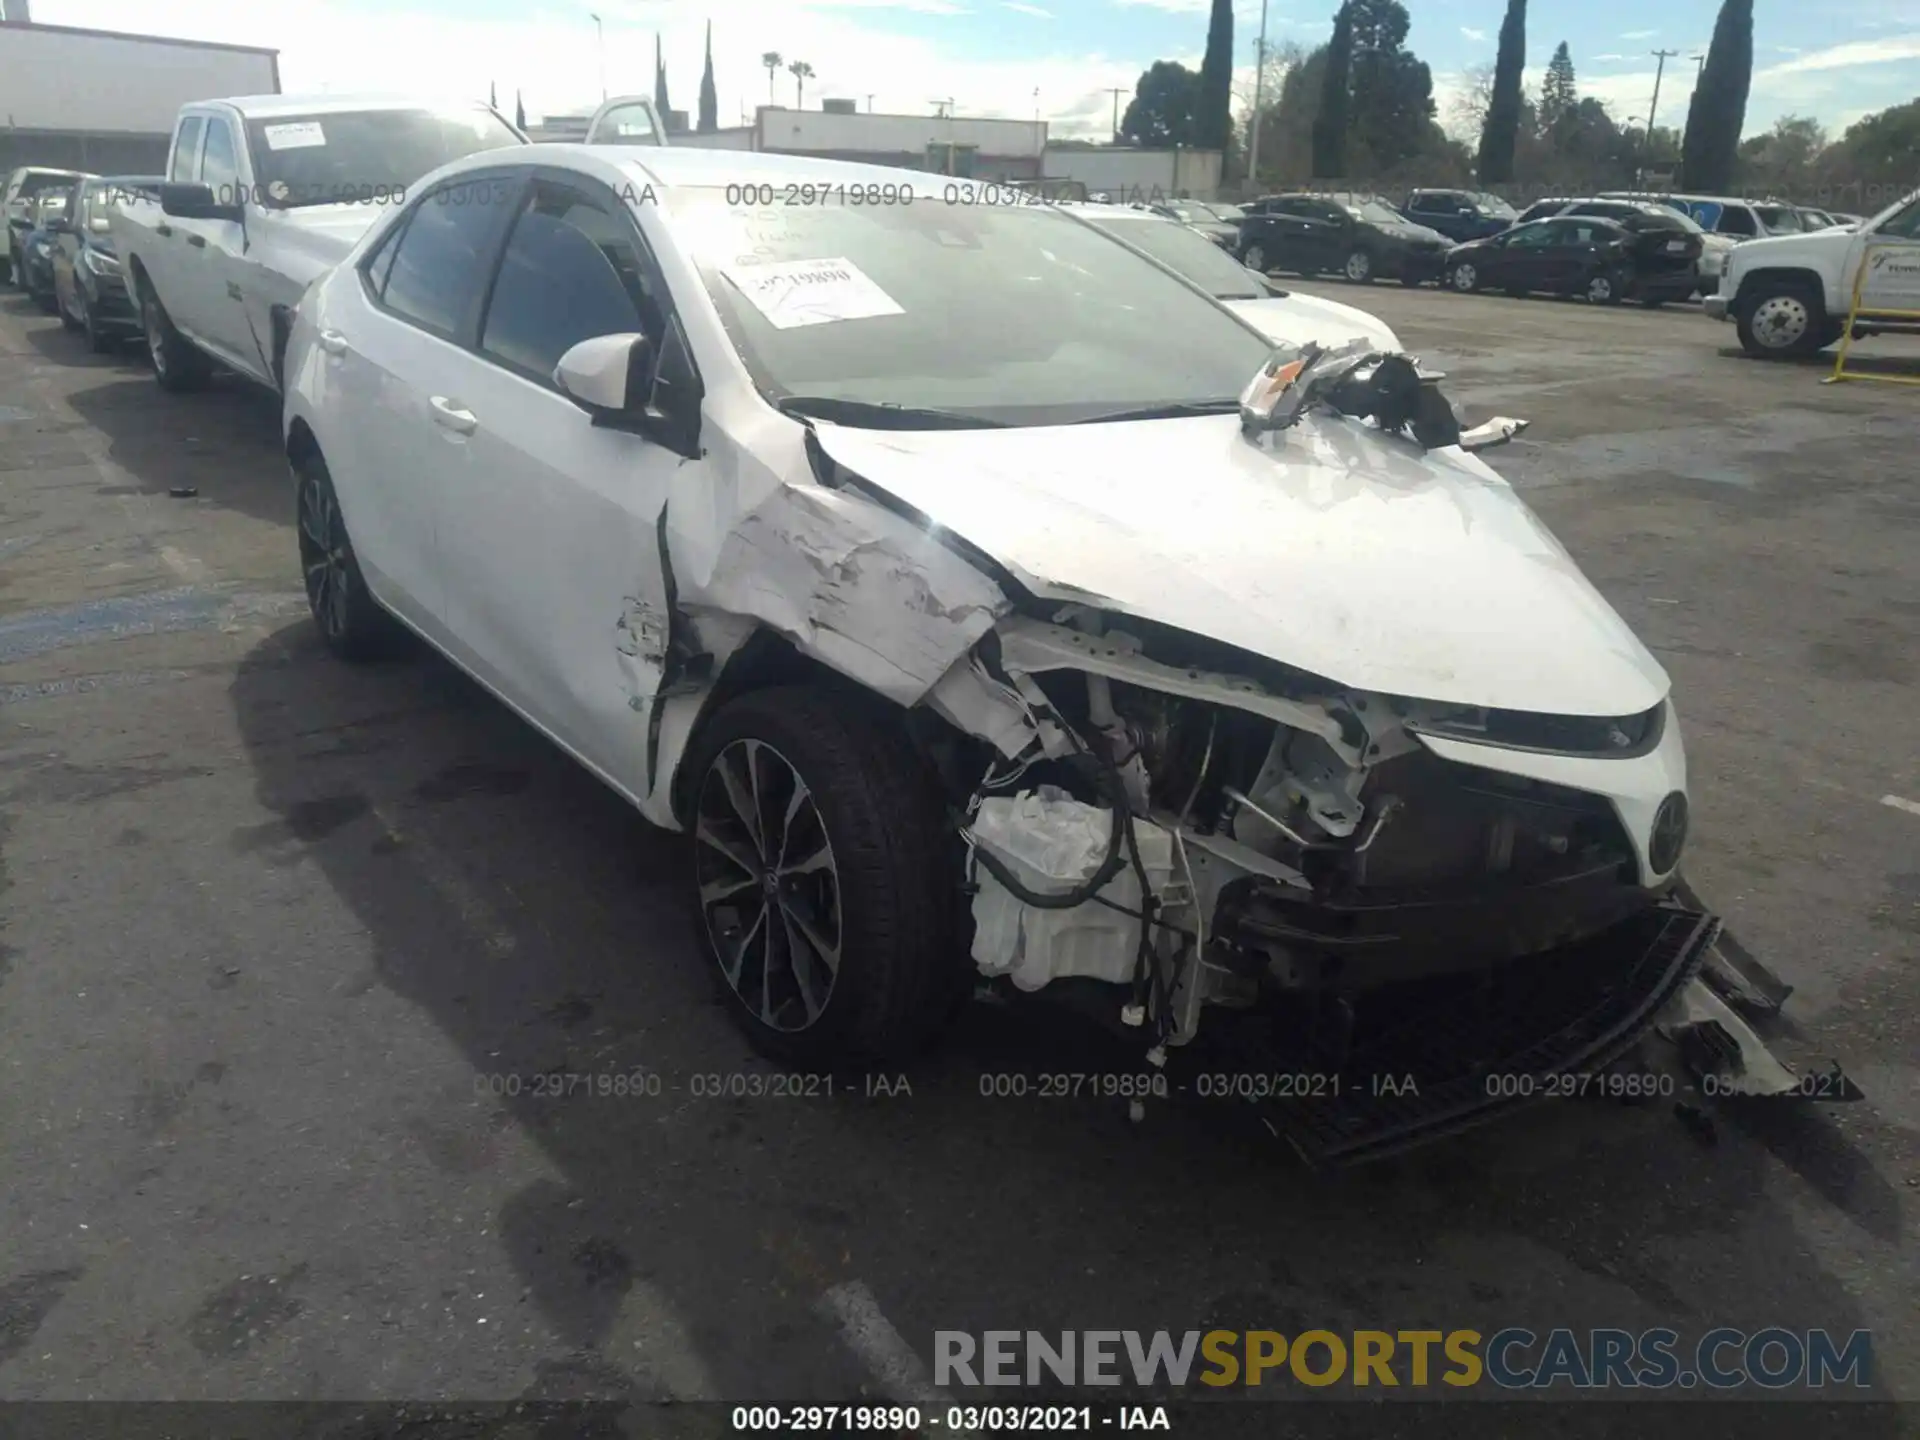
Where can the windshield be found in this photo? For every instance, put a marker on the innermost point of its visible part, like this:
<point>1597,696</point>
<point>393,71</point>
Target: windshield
<point>1778,218</point>
<point>1015,314</point>
<point>1493,207</point>
<point>363,156</point>
<point>39,184</point>
<point>1378,212</point>
<point>1191,254</point>
<point>1227,213</point>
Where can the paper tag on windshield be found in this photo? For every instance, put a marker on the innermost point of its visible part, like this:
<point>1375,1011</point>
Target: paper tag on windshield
<point>793,293</point>
<point>294,135</point>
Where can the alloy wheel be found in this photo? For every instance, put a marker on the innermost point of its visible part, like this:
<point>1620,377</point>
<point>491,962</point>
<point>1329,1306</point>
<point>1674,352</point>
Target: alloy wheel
<point>1600,289</point>
<point>325,557</point>
<point>1359,265</point>
<point>1465,277</point>
<point>769,888</point>
<point>1781,321</point>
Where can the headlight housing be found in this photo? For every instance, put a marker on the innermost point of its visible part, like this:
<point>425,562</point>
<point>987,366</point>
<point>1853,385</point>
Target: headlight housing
<point>100,263</point>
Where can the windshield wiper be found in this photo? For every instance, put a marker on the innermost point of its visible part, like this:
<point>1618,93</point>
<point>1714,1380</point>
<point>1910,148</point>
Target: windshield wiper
<point>1182,410</point>
<point>878,415</point>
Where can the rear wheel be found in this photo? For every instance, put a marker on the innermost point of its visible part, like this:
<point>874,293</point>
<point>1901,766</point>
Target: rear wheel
<point>1359,268</point>
<point>1254,257</point>
<point>826,879</point>
<point>1464,277</point>
<point>177,364</point>
<point>1603,287</point>
<point>1782,320</point>
<point>350,620</point>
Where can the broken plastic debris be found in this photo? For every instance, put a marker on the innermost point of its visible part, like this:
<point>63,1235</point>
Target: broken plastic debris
<point>184,492</point>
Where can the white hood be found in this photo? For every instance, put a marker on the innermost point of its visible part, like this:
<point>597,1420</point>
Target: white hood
<point>1296,319</point>
<point>1330,548</point>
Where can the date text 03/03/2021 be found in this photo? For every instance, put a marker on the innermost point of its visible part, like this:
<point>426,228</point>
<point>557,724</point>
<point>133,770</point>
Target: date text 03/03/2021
<point>959,1420</point>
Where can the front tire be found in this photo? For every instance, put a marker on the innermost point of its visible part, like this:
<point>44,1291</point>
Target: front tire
<point>1603,288</point>
<point>826,879</point>
<point>1464,277</point>
<point>350,620</point>
<point>1254,257</point>
<point>177,364</point>
<point>1782,321</point>
<point>1358,268</point>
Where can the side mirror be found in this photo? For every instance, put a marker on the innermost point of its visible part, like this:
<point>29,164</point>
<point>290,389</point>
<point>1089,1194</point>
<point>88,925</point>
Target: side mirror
<point>195,202</point>
<point>626,382</point>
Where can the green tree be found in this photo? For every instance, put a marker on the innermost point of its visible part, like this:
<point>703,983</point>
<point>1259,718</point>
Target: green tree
<point>1502,129</point>
<point>1718,111</point>
<point>709,97</point>
<point>1330,123</point>
<point>1558,94</point>
<point>1881,150</point>
<point>1161,111</point>
<point>1213,95</point>
<point>773,60</point>
<point>1784,160</point>
<point>1392,90</point>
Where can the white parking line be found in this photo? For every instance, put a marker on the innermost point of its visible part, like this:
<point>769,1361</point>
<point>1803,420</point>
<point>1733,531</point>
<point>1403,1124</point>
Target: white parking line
<point>1897,803</point>
<point>900,1374</point>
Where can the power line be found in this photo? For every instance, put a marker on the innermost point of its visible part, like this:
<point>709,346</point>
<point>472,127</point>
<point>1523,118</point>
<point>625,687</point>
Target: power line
<point>1117,93</point>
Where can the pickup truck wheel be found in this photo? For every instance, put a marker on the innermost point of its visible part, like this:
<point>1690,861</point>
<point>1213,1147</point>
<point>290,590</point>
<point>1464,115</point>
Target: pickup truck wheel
<point>1781,320</point>
<point>177,365</point>
<point>351,621</point>
<point>826,879</point>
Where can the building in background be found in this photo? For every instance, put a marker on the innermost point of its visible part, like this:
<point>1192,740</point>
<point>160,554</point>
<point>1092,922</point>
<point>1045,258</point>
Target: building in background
<point>1124,173</point>
<point>104,101</point>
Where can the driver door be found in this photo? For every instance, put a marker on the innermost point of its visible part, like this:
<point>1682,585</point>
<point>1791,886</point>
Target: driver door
<point>1523,257</point>
<point>556,592</point>
<point>1891,254</point>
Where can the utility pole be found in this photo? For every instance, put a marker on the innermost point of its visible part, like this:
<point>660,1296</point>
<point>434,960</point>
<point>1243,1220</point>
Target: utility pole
<point>869,104</point>
<point>1259,75</point>
<point>1117,93</point>
<point>600,44</point>
<point>1661,69</point>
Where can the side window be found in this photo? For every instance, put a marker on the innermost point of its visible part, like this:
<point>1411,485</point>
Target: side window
<point>571,271</point>
<point>626,125</point>
<point>1527,237</point>
<point>218,165</point>
<point>186,150</point>
<point>1902,224</point>
<point>380,264</point>
<point>441,260</point>
<point>1539,211</point>
<point>1738,220</point>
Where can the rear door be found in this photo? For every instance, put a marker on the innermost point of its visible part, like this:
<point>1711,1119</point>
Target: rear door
<point>552,549</point>
<point>1575,248</point>
<point>395,355</point>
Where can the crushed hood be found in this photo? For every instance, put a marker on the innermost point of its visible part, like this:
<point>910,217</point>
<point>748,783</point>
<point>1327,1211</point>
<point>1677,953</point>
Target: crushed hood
<point>1295,319</point>
<point>1329,548</point>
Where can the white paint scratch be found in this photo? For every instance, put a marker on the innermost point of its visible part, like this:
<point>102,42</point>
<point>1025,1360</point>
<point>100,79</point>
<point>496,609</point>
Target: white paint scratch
<point>1897,803</point>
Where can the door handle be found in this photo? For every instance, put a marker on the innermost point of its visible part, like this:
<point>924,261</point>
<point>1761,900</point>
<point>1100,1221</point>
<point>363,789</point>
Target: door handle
<point>449,415</point>
<point>199,242</point>
<point>333,342</point>
<point>163,231</point>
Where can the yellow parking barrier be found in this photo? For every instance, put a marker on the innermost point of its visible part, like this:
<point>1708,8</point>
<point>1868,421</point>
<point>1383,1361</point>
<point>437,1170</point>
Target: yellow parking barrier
<point>1840,371</point>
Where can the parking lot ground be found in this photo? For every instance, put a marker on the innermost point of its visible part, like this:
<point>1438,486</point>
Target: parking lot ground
<point>278,933</point>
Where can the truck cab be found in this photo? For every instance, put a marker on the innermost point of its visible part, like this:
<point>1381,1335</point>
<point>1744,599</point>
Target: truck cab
<point>626,120</point>
<point>262,196</point>
<point>1792,295</point>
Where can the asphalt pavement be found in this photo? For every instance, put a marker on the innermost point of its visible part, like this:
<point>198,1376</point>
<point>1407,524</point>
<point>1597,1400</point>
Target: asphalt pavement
<point>283,944</point>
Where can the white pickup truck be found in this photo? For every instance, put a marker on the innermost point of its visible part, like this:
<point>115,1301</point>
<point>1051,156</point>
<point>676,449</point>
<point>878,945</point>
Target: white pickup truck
<point>1791,294</point>
<point>263,195</point>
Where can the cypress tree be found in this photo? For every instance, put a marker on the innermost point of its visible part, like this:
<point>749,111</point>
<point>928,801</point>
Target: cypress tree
<point>1711,148</point>
<point>1330,125</point>
<point>1501,131</point>
<point>1212,122</point>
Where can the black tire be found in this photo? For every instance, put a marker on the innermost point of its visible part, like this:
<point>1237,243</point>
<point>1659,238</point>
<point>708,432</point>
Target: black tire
<point>892,858</point>
<point>99,341</point>
<point>350,620</point>
<point>1358,266</point>
<point>1783,320</point>
<point>67,321</point>
<point>1253,255</point>
<point>1463,277</point>
<point>178,365</point>
<point>1604,287</point>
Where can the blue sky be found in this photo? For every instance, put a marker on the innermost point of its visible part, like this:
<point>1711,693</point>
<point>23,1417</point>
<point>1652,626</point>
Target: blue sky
<point>1835,60</point>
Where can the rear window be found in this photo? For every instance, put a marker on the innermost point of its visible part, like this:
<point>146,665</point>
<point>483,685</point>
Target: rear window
<point>1779,219</point>
<point>39,184</point>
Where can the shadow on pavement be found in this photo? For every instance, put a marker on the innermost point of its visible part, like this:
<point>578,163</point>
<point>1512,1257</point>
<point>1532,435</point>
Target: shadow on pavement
<point>959,1211</point>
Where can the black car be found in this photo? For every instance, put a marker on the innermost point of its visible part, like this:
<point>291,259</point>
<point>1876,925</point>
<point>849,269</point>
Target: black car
<point>24,186</point>
<point>89,289</point>
<point>1604,260</point>
<point>1219,223</point>
<point>1459,214</point>
<point>33,269</point>
<point>1357,237</point>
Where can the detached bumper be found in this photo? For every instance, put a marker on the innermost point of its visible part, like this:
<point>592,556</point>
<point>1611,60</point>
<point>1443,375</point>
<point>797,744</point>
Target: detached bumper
<point>1715,307</point>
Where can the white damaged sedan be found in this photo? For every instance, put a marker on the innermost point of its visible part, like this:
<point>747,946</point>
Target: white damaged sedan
<point>993,607</point>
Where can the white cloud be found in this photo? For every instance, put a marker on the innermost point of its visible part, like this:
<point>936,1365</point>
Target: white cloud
<point>1178,7</point>
<point>1479,37</point>
<point>1788,50</point>
<point>549,55</point>
<point>1034,10</point>
<point>1846,57</point>
<point>1638,34</point>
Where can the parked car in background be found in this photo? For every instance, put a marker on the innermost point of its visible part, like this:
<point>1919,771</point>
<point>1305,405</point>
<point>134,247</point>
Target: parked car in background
<point>924,563</point>
<point>25,185</point>
<point>264,194</point>
<point>1585,255</point>
<point>1734,218</point>
<point>1459,214</point>
<point>1220,223</point>
<point>1359,237</point>
<point>1638,212</point>
<point>46,215</point>
<point>1790,295</point>
<point>1812,219</point>
<point>1283,317</point>
<point>1843,218</point>
<point>89,286</point>
<point>626,120</point>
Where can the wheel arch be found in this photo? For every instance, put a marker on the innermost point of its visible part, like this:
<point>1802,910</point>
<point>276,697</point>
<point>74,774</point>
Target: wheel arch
<point>1798,277</point>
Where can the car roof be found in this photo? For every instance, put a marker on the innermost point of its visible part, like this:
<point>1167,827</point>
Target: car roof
<point>686,166</point>
<point>265,107</point>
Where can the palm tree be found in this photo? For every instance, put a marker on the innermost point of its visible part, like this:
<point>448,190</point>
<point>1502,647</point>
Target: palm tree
<point>801,72</point>
<point>772,60</point>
